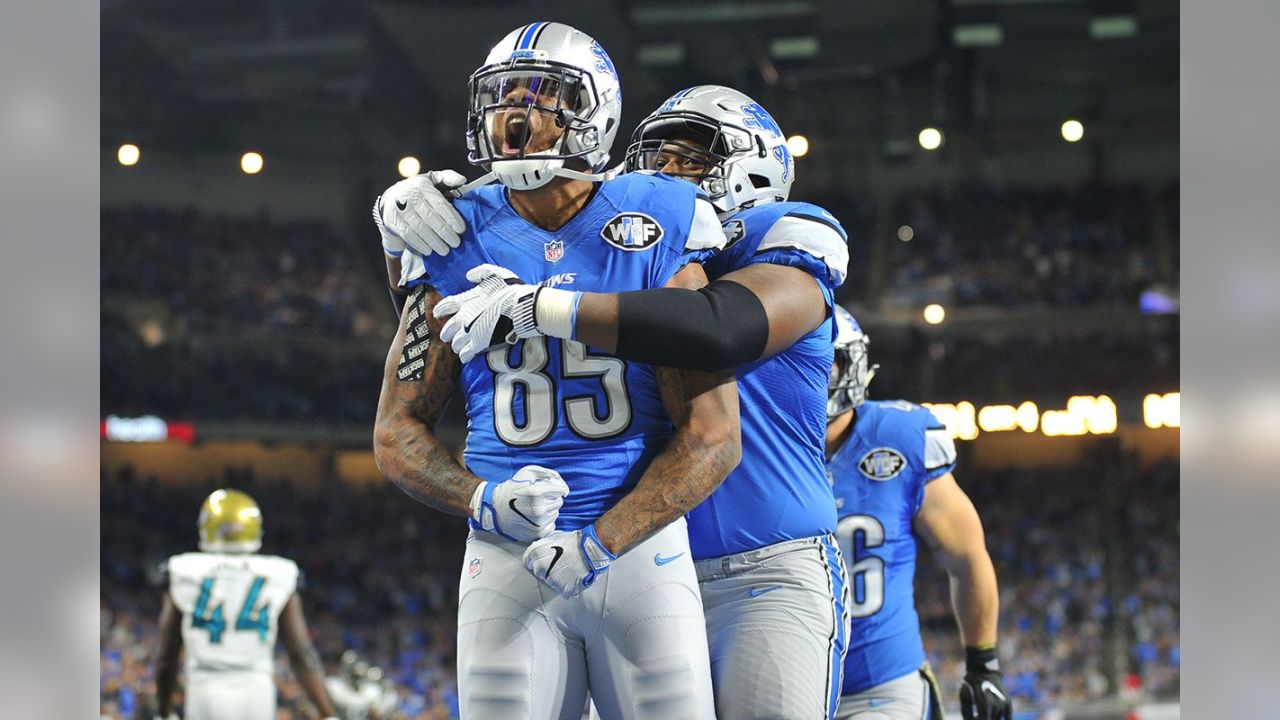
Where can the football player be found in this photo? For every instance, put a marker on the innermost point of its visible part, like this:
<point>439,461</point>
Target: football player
<point>579,577</point>
<point>891,466</point>
<point>769,570</point>
<point>351,691</point>
<point>225,605</point>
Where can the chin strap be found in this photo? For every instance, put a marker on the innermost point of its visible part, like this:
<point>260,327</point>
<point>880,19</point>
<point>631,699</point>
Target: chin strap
<point>484,179</point>
<point>589,177</point>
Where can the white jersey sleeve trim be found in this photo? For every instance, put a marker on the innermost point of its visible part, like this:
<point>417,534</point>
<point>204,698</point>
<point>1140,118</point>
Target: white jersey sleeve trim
<point>939,449</point>
<point>705,232</point>
<point>812,237</point>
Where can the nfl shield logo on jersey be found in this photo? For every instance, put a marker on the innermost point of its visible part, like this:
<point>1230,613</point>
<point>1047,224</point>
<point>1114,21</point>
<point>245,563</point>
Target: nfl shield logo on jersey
<point>553,250</point>
<point>882,464</point>
<point>473,567</point>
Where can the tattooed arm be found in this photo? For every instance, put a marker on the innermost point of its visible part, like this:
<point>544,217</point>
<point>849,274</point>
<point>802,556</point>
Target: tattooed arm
<point>706,446</point>
<point>416,387</point>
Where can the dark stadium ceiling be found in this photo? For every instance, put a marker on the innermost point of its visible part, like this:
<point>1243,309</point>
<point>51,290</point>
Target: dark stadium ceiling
<point>334,78</point>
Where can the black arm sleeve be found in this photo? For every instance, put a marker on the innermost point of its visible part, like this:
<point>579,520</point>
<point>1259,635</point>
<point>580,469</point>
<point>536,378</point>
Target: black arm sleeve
<point>719,327</point>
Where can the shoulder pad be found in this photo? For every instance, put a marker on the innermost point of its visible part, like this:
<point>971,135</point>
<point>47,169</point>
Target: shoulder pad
<point>813,231</point>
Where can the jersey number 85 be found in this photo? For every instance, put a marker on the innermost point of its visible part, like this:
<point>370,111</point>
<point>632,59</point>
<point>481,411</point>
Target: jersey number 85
<point>529,417</point>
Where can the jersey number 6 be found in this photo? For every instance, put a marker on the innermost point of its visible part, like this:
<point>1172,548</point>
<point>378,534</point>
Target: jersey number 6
<point>866,571</point>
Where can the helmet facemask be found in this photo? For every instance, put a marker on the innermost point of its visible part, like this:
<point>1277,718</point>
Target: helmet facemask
<point>526,119</point>
<point>703,150</point>
<point>850,376</point>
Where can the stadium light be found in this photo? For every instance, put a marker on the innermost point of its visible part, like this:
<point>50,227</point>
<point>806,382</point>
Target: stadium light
<point>930,138</point>
<point>798,145</point>
<point>934,313</point>
<point>251,163</point>
<point>409,166</point>
<point>1072,131</point>
<point>128,154</point>
<point>906,233</point>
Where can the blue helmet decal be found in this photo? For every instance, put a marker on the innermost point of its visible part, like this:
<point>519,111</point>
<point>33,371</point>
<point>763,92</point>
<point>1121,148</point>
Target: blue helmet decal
<point>759,118</point>
<point>603,62</point>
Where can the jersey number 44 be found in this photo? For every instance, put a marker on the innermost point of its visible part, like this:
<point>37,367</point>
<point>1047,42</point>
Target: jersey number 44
<point>250,618</point>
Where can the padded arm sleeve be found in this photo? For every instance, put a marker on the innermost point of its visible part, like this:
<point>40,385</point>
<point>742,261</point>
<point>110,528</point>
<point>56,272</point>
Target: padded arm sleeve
<point>719,327</point>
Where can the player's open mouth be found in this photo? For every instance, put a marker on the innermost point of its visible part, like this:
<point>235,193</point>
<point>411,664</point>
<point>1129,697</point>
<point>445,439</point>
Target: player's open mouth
<point>515,135</point>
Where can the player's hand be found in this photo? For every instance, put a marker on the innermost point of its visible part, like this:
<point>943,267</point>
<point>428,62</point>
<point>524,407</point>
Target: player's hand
<point>416,212</point>
<point>982,694</point>
<point>499,309</point>
<point>523,508</point>
<point>569,561</point>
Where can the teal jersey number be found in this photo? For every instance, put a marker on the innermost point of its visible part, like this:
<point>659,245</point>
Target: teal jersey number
<point>250,618</point>
<point>204,618</point>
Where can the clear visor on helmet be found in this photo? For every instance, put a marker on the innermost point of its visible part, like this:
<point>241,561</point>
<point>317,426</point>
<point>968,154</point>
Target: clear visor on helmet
<point>526,112</point>
<point>688,145</point>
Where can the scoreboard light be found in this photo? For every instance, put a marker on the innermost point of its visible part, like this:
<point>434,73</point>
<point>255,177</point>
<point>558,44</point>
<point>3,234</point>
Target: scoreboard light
<point>1162,410</point>
<point>1083,415</point>
<point>960,418</point>
<point>145,429</point>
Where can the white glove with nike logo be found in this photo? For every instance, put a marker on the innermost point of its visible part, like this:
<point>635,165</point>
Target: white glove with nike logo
<point>569,561</point>
<point>523,508</point>
<point>500,309</point>
<point>416,212</point>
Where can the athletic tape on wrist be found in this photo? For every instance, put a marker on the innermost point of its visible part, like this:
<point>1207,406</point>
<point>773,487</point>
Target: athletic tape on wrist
<point>556,312</point>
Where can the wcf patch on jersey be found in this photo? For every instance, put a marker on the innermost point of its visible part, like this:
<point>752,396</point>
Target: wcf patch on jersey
<point>632,231</point>
<point>882,464</point>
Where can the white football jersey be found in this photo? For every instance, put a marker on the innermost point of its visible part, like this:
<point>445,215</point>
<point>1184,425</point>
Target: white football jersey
<point>231,605</point>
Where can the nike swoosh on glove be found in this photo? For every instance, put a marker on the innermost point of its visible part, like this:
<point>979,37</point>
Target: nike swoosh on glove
<point>569,562</point>
<point>523,508</point>
<point>500,309</point>
<point>982,694</point>
<point>415,212</point>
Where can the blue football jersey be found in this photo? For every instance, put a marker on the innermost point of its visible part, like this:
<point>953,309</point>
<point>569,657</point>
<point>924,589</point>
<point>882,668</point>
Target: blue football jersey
<point>878,477</point>
<point>594,418</point>
<point>779,491</point>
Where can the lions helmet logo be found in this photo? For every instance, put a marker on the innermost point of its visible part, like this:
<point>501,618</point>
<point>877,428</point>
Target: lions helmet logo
<point>632,231</point>
<point>882,464</point>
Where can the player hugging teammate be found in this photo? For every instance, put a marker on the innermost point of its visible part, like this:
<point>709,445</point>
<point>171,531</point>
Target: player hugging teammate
<point>605,330</point>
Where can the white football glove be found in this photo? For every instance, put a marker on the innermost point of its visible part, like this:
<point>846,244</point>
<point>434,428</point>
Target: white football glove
<point>500,309</point>
<point>523,508</point>
<point>416,212</point>
<point>569,561</point>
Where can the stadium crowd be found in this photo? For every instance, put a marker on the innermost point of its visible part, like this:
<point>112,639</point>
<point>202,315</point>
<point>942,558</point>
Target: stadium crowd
<point>381,578</point>
<point>1089,246</point>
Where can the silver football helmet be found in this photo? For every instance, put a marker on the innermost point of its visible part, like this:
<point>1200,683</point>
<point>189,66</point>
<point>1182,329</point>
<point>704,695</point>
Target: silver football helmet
<point>738,152</point>
<point>850,375</point>
<point>547,93</point>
